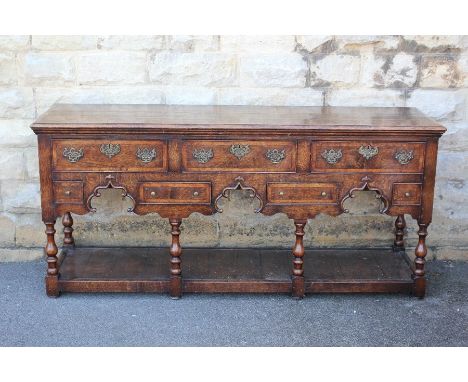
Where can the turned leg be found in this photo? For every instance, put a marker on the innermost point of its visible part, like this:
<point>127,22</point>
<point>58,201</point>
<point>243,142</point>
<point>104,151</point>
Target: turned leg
<point>175,251</point>
<point>298,285</point>
<point>400,225</point>
<point>419,262</point>
<point>51,251</point>
<point>67,222</point>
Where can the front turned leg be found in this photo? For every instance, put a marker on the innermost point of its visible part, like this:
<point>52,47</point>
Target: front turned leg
<point>67,222</point>
<point>400,225</point>
<point>419,262</point>
<point>175,251</point>
<point>51,251</point>
<point>298,284</point>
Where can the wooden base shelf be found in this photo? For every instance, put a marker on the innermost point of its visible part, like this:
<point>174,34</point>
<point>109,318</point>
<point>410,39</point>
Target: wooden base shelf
<point>233,270</point>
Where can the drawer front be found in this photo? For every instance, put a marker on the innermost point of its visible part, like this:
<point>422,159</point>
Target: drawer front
<point>175,193</point>
<point>232,156</point>
<point>302,193</point>
<point>68,191</point>
<point>406,194</point>
<point>369,156</point>
<point>106,155</point>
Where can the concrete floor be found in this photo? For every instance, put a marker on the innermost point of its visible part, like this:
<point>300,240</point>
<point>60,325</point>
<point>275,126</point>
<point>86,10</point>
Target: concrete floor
<point>29,318</point>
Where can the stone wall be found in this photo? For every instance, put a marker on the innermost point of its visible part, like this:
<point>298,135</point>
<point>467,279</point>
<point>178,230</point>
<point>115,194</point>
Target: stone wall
<point>428,72</point>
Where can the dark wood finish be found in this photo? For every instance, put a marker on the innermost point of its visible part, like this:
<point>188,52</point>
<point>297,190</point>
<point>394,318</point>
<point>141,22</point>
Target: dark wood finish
<point>400,225</point>
<point>233,270</point>
<point>177,160</point>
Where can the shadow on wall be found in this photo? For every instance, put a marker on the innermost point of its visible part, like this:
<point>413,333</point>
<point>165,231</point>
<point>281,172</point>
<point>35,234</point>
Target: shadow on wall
<point>237,226</point>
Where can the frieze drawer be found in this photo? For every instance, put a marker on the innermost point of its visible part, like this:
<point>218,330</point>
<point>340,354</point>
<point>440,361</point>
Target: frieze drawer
<point>302,193</point>
<point>109,155</point>
<point>406,194</point>
<point>235,155</point>
<point>69,191</point>
<point>402,157</point>
<point>175,192</point>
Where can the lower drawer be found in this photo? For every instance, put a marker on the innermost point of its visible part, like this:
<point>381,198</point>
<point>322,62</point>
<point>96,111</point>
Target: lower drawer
<point>68,191</point>
<point>175,192</point>
<point>406,194</point>
<point>301,193</point>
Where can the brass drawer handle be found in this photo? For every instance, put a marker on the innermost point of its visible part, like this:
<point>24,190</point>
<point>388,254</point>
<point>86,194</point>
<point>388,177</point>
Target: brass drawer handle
<point>110,149</point>
<point>68,192</point>
<point>275,155</point>
<point>153,193</point>
<point>239,150</point>
<point>202,155</point>
<point>323,193</point>
<point>407,194</point>
<point>281,193</point>
<point>146,154</point>
<point>73,155</point>
<point>332,156</point>
<point>368,151</point>
<point>196,193</point>
<point>404,156</point>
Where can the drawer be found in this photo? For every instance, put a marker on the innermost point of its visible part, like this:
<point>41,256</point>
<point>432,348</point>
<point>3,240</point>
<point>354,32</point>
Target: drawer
<point>175,192</point>
<point>106,155</point>
<point>406,194</point>
<point>69,191</point>
<point>302,193</point>
<point>368,155</point>
<point>233,156</point>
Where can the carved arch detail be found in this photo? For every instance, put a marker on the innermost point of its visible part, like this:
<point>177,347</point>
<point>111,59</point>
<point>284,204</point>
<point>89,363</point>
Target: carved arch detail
<point>110,184</point>
<point>239,186</point>
<point>384,203</point>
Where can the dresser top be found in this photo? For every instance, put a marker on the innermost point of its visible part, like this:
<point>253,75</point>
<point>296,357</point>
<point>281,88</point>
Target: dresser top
<point>76,118</point>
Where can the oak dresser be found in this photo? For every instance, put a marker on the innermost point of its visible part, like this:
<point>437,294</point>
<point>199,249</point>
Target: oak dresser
<point>177,160</point>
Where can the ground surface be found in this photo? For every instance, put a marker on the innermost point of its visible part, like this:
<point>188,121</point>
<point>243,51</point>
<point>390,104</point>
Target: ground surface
<point>29,318</point>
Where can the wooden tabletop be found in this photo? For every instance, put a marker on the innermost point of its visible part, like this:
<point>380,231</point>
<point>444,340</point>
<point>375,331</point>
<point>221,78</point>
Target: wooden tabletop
<point>294,118</point>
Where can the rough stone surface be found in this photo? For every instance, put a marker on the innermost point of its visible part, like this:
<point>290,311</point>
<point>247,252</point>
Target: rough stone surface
<point>334,70</point>
<point>8,69</point>
<point>427,72</point>
<point>193,69</point>
<point>47,69</point>
<point>272,70</point>
<point>111,68</point>
<point>55,42</point>
<point>16,103</point>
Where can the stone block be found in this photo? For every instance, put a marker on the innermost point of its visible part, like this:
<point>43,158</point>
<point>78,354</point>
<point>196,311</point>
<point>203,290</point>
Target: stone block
<point>187,43</point>
<point>16,133</point>
<point>7,230</point>
<point>366,43</point>
<point>20,254</point>
<point>113,67</point>
<point>257,44</point>
<point>193,69</point>
<point>31,162</point>
<point>273,70</point>
<point>365,97</point>
<point>270,96</point>
<point>440,72</point>
<point>463,70</point>
<point>447,104</point>
<point>64,42</point>
<point>16,103</point>
<point>183,95</point>
<point>20,196</point>
<point>315,44</point>
<point>12,164</point>
<point>334,70</point>
<point>14,43</point>
<point>44,69</point>
<point>126,42</point>
<point>30,231</point>
<point>396,71</point>
<point>137,94</point>
<point>434,43</point>
<point>8,74</point>
<point>456,137</point>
